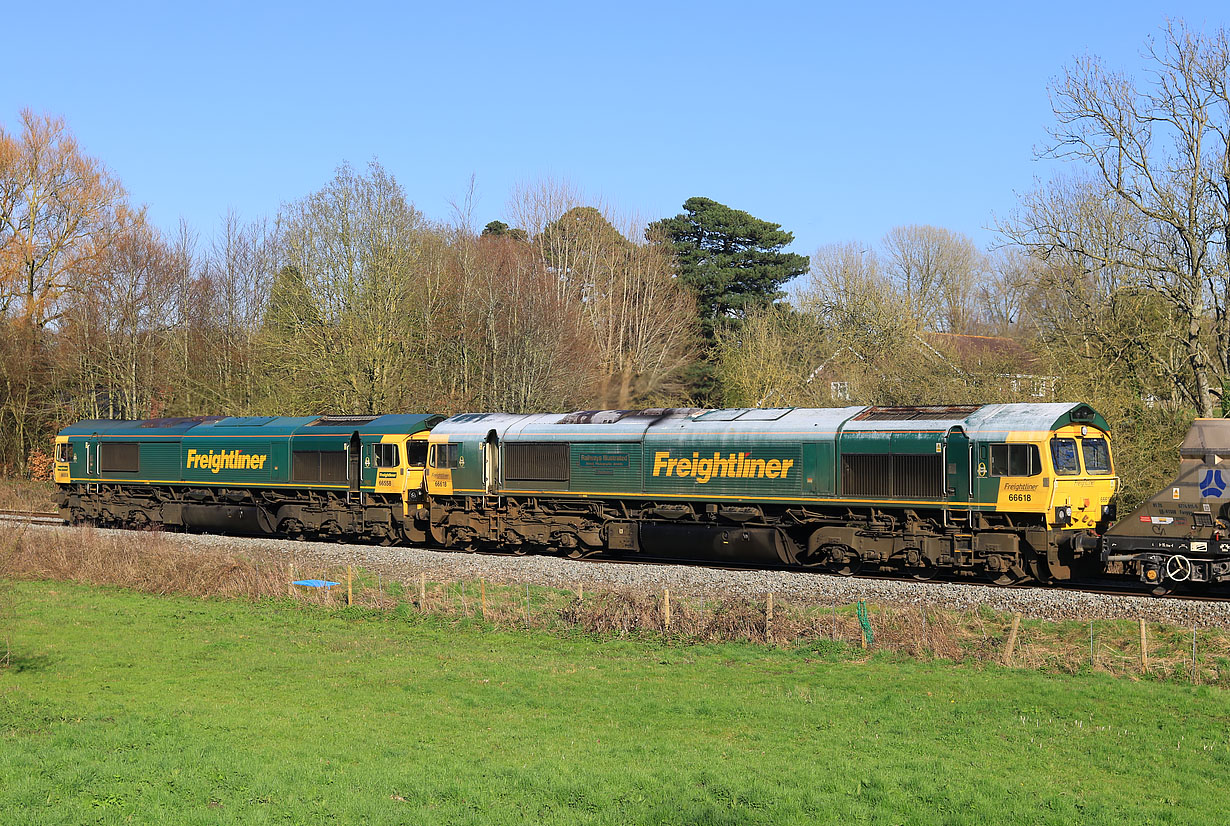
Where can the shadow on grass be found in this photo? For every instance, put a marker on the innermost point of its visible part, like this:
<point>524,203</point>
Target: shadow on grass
<point>17,663</point>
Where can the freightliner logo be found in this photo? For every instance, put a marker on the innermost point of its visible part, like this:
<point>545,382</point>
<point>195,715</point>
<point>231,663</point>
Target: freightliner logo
<point>731,466</point>
<point>228,459</point>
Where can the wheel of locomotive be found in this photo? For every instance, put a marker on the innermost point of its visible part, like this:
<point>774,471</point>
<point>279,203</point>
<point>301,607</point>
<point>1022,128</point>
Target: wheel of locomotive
<point>291,529</point>
<point>842,560</point>
<point>912,563</point>
<point>998,571</point>
<point>462,539</point>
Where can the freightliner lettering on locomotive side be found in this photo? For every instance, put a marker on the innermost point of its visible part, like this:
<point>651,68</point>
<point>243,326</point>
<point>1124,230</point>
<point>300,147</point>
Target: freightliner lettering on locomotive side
<point>731,466</point>
<point>228,459</point>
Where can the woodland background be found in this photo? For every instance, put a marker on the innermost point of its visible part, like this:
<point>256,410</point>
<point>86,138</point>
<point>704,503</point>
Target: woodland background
<point>1110,284</point>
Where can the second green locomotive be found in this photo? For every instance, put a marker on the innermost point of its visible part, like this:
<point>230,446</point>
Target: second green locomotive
<point>1011,491</point>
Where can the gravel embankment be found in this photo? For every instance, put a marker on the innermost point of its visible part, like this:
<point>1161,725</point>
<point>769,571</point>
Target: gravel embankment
<point>407,563</point>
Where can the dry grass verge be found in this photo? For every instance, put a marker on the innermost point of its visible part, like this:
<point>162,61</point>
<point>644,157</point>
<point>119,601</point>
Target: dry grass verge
<point>26,495</point>
<point>155,564</point>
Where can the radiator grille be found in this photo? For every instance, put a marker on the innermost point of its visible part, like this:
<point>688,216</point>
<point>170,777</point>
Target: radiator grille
<point>118,457</point>
<point>918,477</point>
<point>318,466</point>
<point>535,462</point>
<point>906,477</point>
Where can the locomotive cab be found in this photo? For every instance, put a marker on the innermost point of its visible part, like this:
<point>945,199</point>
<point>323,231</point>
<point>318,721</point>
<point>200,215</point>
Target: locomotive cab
<point>1080,460</point>
<point>63,460</point>
<point>1062,477</point>
<point>401,462</point>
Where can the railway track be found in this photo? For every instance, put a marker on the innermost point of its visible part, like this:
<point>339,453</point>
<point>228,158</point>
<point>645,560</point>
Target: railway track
<point>1104,588</point>
<point>31,517</point>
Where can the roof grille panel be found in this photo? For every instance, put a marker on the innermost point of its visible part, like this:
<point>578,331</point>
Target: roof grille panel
<point>338,421</point>
<point>918,413</point>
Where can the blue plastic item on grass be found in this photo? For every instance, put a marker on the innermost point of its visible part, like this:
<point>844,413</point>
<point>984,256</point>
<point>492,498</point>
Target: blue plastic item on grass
<point>315,583</point>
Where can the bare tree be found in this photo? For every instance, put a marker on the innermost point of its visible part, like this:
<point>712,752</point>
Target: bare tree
<point>115,332</point>
<point>1160,149</point>
<point>938,271</point>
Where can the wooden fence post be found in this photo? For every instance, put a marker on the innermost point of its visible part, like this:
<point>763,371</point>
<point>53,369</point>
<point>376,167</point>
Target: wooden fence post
<point>1193,655</point>
<point>768,619</point>
<point>1016,626</point>
<point>422,592</point>
<point>349,586</point>
<point>666,608</point>
<point>482,590</point>
<point>1144,648</point>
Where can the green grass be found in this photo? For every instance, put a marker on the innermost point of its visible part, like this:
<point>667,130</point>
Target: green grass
<point>122,707</point>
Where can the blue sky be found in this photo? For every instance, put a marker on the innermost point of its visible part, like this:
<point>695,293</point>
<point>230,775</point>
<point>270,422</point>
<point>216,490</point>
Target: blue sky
<point>837,122</point>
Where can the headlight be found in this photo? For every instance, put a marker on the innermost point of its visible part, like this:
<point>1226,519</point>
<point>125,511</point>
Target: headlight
<point>1063,514</point>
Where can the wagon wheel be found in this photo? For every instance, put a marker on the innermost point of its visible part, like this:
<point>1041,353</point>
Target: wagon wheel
<point>923,573</point>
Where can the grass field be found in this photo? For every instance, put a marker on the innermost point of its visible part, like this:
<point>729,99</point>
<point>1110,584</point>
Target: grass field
<point>122,707</point>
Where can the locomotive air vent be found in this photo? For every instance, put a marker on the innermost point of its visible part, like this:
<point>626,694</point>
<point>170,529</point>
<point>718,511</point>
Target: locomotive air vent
<point>181,420</point>
<point>596,416</point>
<point>911,414</point>
<point>334,421</point>
<point>469,417</point>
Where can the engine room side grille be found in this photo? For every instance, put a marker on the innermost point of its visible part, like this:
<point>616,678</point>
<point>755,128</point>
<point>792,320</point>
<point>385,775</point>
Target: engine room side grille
<point>918,477</point>
<point>866,475</point>
<point>536,462</point>
<point>119,457</point>
<point>318,466</point>
<point>898,476</point>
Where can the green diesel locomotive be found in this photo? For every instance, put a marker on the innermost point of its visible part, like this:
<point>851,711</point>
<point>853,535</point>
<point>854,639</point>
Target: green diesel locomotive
<point>323,477</point>
<point>1009,491</point>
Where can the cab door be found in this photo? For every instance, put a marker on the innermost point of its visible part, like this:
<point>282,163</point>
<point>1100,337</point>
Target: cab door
<point>416,462</point>
<point>491,463</point>
<point>386,457</point>
<point>956,467</point>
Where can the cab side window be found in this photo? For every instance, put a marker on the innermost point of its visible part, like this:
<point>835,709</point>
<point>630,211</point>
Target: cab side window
<point>64,452</point>
<point>1015,460</point>
<point>385,454</point>
<point>445,456</point>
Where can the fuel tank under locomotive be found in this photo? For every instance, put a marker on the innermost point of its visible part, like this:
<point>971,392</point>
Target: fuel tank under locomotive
<point>228,519</point>
<point>713,543</point>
